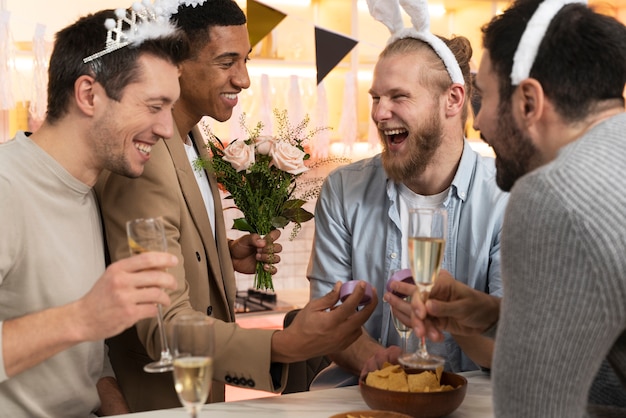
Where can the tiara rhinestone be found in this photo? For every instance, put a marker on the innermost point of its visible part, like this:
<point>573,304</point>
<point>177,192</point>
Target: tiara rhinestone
<point>144,21</point>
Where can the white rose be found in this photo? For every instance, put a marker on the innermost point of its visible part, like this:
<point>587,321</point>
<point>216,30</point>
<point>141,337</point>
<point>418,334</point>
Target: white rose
<point>264,144</point>
<point>288,158</point>
<point>239,155</point>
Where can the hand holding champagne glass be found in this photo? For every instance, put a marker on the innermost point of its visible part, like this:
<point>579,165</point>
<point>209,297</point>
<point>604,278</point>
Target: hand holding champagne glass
<point>193,344</point>
<point>149,235</point>
<point>404,275</point>
<point>427,238</point>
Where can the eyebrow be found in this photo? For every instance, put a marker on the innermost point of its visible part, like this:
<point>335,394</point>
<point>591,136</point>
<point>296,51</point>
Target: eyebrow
<point>159,99</point>
<point>231,55</point>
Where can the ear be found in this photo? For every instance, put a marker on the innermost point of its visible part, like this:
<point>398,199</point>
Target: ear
<point>529,103</point>
<point>455,99</point>
<point>84,94</point>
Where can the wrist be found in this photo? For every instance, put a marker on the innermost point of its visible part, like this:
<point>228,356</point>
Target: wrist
<point>282,349</point>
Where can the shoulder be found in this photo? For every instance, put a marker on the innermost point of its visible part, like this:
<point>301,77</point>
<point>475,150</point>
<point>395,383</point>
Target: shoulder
<point>358,171</point>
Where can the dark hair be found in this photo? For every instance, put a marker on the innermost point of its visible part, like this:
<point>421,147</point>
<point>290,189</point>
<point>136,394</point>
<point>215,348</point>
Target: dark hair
<point>197,21</point>
<point>581,60</point>
<point>435,73</point>
<point>114,71</point>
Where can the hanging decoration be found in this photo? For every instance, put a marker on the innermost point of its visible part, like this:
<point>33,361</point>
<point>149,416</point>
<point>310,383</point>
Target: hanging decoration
<point>266,105</point>
<point>295,107</point>
<point>261,20</point>
<point>330,49</point>
<point>322,144</point>
<point>38,101</point>
<point>7,101</point>
<point>349,119</point>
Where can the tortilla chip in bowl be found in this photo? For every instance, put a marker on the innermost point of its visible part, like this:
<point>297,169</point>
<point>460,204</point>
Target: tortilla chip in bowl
<point>420,394</point>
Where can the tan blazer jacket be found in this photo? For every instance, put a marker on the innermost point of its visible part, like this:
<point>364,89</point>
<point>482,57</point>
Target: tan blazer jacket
<point>205,275</point>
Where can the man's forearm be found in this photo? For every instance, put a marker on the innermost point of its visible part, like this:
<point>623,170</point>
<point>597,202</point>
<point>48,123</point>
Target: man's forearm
<point>112,402</point>
<point>478,348</point>
<point>24,345</point>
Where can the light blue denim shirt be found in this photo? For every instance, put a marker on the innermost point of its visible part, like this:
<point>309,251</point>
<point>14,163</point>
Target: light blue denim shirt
<point>358,236</point>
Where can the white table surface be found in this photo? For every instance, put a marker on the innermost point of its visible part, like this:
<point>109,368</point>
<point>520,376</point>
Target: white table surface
<point>325,403</point>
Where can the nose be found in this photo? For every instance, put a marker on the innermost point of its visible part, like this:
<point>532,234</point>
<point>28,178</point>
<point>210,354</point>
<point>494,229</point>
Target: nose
<point>381,110</point>
<point>476,122</point>
<point>241,78</point>
<point>164,128</point>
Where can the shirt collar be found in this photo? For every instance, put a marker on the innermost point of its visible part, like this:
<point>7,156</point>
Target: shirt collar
<point>463,177</point>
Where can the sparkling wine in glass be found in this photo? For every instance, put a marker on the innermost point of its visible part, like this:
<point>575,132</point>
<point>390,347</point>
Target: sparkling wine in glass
<point>148,234</point>
<point>427,239</point>
<point>193,345</point>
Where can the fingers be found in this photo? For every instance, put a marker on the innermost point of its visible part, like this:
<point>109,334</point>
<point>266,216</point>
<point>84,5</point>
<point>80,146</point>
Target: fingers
<point>352,303</point>
<point>376,362</point>
<point>400,308</point>
<point>152,260</point>
<point>327,301</point>
<point>267,257</point>
<point>150,295</point>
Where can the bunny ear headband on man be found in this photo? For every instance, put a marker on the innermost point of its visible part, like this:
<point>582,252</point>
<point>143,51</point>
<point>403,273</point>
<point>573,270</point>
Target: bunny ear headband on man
<point>388,13</point>
<point>533,35</point>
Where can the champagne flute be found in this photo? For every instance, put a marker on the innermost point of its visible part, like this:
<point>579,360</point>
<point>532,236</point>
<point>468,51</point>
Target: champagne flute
<point>427,238</point>
<point>404,331</point>
<point>193,345</point>
<point>148,234</point>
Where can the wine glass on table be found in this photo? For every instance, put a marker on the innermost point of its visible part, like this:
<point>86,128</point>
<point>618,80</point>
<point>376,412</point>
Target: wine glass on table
<point>427,239</point>
<point>193,344</point>
<point>148,234</point>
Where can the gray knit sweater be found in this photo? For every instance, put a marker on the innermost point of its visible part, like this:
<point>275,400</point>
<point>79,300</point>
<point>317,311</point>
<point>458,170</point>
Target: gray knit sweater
<point>564,274</point>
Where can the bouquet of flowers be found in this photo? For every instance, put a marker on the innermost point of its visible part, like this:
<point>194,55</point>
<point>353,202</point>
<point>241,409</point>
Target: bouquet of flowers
<point>260,174</point>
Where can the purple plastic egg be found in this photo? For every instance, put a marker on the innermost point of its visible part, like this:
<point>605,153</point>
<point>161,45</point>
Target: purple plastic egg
<point>403,275</point>
<point>348,287</point>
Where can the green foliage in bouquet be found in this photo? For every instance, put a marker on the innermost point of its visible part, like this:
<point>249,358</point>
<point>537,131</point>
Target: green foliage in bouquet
<point>260,174</point>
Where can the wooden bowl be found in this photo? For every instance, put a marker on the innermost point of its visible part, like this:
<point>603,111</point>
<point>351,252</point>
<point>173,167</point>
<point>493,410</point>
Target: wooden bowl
<point>371,414</point>
<point>418,404</point>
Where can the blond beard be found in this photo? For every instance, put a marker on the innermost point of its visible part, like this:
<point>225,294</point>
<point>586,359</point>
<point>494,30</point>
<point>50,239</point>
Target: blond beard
<point>422,146</point>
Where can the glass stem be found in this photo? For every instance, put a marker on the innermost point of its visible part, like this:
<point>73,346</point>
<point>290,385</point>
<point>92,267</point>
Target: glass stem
<point>165,350</point>
<point>422,352</point>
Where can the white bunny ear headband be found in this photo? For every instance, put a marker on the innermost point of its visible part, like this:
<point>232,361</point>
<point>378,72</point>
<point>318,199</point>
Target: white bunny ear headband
<point>388,13</point>
<point>533,35</point>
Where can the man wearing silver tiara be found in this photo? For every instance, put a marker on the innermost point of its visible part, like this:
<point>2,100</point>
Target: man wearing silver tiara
<point>189,201</point>
<point>57,301</point>
<point>420,89</point>
<point>552,80</point>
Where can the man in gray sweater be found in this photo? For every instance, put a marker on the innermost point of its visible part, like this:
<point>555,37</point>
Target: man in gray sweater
<point>551,80</point>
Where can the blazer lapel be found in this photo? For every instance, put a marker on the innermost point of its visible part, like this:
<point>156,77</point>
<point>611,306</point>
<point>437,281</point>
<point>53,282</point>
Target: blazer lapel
<point>195,204</point>
<point>225,261</point>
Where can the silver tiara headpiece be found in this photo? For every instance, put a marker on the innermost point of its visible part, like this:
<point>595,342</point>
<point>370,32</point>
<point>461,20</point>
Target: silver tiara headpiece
<point>145,20</point>
<point>536,29</point>
<point>388,13</point>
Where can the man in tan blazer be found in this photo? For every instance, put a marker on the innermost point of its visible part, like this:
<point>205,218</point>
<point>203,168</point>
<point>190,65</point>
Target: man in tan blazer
<point>196,234</point>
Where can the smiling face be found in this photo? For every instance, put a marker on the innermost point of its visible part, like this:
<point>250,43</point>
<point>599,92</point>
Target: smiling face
<point>211,81</point>
<point>407,115</point>
<point>124,131</point>
<point>516,154</point>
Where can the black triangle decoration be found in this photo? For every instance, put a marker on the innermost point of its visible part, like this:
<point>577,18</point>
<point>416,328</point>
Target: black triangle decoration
<point>330,49</point>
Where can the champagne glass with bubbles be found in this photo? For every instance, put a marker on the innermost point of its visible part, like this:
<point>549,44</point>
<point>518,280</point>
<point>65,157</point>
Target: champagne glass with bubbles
<point>148,234</point>
<point>427,239</point>
<point>193,344</point>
